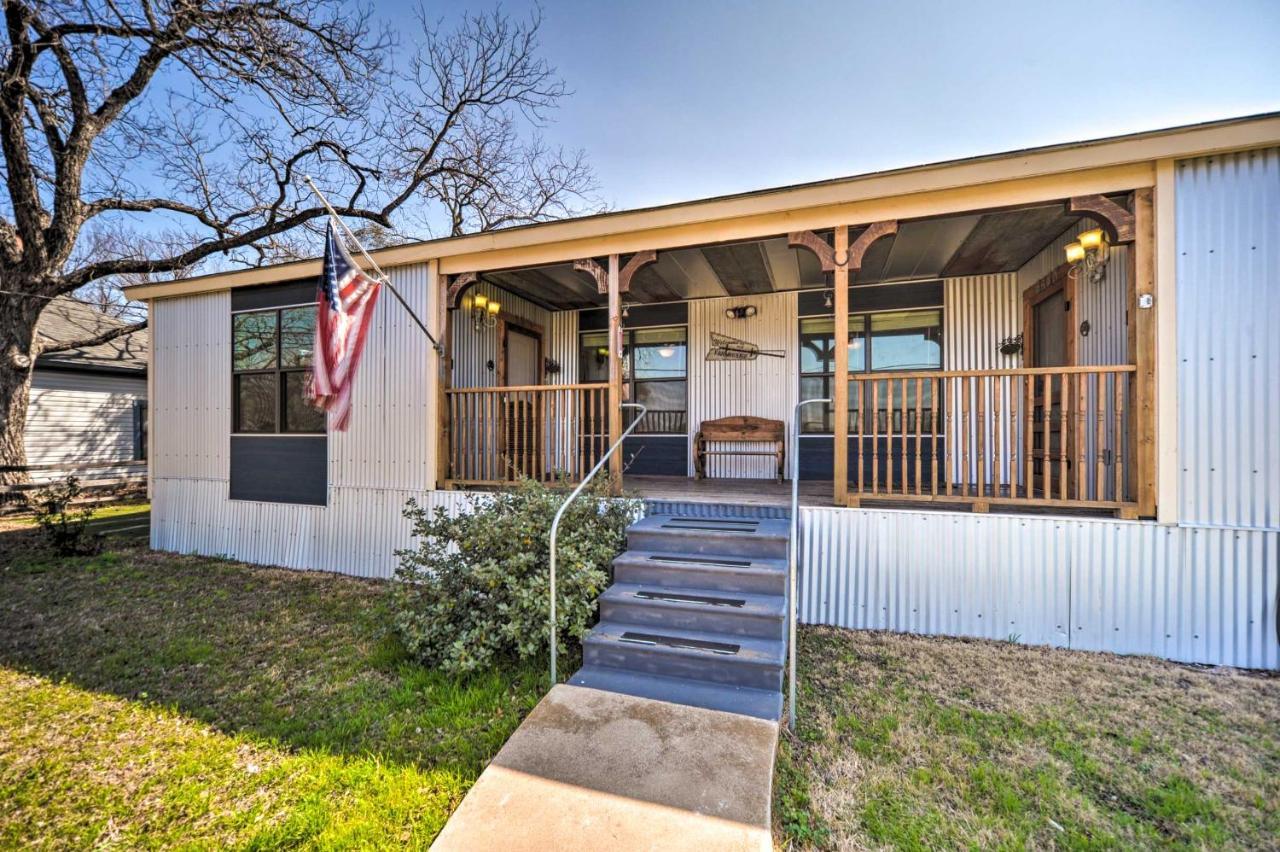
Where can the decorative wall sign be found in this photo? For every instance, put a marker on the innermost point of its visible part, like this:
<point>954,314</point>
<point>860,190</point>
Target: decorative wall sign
<point>726,348</point>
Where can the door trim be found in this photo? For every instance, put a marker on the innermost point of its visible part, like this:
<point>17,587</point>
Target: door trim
<point>1060,280</point>
<point>505,324</point>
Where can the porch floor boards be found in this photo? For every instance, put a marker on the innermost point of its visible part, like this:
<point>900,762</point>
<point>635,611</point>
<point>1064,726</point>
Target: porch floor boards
<point>741,492</point>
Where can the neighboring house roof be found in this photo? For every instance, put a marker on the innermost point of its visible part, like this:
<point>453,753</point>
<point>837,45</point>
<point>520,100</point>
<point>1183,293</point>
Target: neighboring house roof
<point>65,320</point>
<point>774,210</point>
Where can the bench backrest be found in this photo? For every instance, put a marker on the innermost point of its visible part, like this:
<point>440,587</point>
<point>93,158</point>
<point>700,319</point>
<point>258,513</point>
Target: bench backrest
<point>742,428</point>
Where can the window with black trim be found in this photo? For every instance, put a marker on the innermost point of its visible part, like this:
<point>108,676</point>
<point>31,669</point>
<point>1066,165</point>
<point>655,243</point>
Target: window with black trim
<point>270,366</point>
<point>881,342</point>
<point>654,371</point>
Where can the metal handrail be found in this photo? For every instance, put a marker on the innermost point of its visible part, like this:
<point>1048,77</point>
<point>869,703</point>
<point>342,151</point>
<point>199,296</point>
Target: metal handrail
<point>793,560</point>
<point>555,524</point>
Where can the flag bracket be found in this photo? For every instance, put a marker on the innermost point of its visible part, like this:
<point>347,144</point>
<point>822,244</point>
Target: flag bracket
<point>373,264</point>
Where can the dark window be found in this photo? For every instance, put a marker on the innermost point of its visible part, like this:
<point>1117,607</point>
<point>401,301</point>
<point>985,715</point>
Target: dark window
<point>271,366</point>
<point>881,342</point>
<point>140,430</point>
<point>654,372</point>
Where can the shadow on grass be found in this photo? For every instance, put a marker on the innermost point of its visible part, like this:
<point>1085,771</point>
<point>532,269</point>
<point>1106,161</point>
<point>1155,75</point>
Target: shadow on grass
<point>303,660</point>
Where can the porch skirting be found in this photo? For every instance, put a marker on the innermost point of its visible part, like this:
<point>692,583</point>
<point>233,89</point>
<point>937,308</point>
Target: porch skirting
<point>1194,594</point>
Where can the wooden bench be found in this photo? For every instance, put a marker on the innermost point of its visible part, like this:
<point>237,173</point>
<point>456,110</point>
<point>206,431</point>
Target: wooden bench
<point>754,430</point>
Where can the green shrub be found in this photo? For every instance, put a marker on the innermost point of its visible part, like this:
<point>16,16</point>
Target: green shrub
<point>474,588</point>
<point>65,529</point>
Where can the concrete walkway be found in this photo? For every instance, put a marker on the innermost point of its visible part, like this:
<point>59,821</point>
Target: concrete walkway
<point>597,770</point>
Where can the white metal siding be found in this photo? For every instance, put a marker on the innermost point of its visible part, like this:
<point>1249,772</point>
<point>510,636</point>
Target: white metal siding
<point>78,417</point>
<point>390,442</point>
<point>765,387</point>
<point>562,346</point>
<point>1228,292</point>
<point>357,533</point>
<point>473,350</point>
<point>1198,595</point>
<point>191,360</point>
<point>1102,305</point>
<point>979,311</point>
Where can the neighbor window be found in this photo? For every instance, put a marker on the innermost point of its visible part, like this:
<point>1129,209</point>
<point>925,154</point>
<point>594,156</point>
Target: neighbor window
<point>882,342</point>
<point>654,372</point>
<point>271,366</point>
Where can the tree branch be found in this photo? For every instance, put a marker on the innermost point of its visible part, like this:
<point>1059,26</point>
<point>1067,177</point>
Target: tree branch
<point>97,340</point>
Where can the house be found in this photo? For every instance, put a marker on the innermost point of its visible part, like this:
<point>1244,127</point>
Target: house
<point>1055,372</point>
<point>87,411</point>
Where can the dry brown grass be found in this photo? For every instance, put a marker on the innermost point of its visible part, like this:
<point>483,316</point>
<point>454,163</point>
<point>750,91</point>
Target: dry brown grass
<point>917,742</point>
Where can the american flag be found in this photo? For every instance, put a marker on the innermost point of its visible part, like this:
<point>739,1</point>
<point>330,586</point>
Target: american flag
<point>346,299</point>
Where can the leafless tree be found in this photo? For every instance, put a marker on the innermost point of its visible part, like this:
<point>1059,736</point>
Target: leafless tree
<point>148,139</point>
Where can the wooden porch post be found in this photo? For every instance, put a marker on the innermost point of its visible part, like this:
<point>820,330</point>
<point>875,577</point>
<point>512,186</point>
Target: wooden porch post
<point>1142,346</point>
<point>615,370</point>
<point>840,396</point>
<point>444,379</point>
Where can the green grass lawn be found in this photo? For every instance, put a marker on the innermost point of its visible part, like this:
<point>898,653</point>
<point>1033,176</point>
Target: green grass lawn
<point>153,700</point>
<point>925,743</point>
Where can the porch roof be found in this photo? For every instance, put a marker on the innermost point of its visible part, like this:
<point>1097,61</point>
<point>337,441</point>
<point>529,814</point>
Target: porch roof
<point>1010,179</point>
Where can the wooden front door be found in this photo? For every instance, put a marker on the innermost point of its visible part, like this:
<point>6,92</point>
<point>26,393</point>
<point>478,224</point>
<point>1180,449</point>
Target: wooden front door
<point>521,366</point>
<point>1049,340</point>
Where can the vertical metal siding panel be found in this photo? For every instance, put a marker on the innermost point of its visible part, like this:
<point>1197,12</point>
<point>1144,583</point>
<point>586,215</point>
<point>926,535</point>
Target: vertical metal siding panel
<point>387,444</point>
<point>1228,291</point>
<point>562,345</point>
<point>766,387</point>
<point>472,349</point>
<point>979,311</point>
<point>192,409</point>
<point>1198,595</point>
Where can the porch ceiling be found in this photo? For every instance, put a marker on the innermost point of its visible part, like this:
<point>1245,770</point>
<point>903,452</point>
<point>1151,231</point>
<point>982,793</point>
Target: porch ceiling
<point>974,244</point>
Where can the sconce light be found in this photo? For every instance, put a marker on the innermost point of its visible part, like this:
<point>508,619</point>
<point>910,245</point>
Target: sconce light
<point>484,312</point>
<point>1090,253</point>
<point>740,312</point>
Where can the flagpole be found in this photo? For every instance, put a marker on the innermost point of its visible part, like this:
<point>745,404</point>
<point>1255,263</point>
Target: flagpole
<point>373,263</point>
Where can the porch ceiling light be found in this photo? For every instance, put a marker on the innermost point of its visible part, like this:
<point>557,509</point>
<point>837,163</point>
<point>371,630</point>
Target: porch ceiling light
<point>1090,252</point>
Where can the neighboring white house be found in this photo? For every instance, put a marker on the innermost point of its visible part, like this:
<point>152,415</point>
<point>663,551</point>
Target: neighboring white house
<point>88,407</point>
<point>1073,444</point>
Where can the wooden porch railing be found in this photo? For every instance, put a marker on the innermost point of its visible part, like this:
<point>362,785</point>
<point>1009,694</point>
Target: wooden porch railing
<point>1057,436</point>
<point>543,432</point>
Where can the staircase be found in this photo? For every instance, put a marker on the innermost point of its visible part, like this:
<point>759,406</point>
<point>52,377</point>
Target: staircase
<point>696,615</point>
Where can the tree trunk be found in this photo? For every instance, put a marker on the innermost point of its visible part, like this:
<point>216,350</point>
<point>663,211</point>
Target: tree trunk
<point>17,358</point>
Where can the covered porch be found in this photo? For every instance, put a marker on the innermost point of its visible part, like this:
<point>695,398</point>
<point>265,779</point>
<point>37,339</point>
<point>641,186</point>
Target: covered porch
<point>978,364</point>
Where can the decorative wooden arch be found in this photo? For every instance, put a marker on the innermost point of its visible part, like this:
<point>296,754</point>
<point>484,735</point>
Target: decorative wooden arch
<point>853,258</point>
<point>460,282</point>
<point>638,261</point>
<point>1117,221</point>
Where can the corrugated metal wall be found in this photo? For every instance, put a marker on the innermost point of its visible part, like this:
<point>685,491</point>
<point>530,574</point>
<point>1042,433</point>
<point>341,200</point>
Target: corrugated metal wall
<point>765,387</point>
<point>1101,305</point>
<point>562,346</point>
<point>473,350</point>
<point>1198,595</point>
<point>979,312</point>
<point>390,442</point>
<point>1228,301</point>
<point>385,457</point>
<point>191,411</point>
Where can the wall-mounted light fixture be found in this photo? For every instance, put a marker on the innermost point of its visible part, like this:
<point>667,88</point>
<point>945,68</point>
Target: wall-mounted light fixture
<point>484,311</point>
<point>1090,252</point>
<point>740,312</point>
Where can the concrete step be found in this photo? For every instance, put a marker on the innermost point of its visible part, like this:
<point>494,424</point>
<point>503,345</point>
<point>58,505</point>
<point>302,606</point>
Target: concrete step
<point>704,610</point>
<point>760,703</point>
<point>696,655</point>
<point>764,538</point>
<point>695,571</point>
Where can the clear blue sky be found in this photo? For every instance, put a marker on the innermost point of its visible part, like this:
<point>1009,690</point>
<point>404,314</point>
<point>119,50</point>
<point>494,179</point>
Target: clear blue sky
<point>685,99</point>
